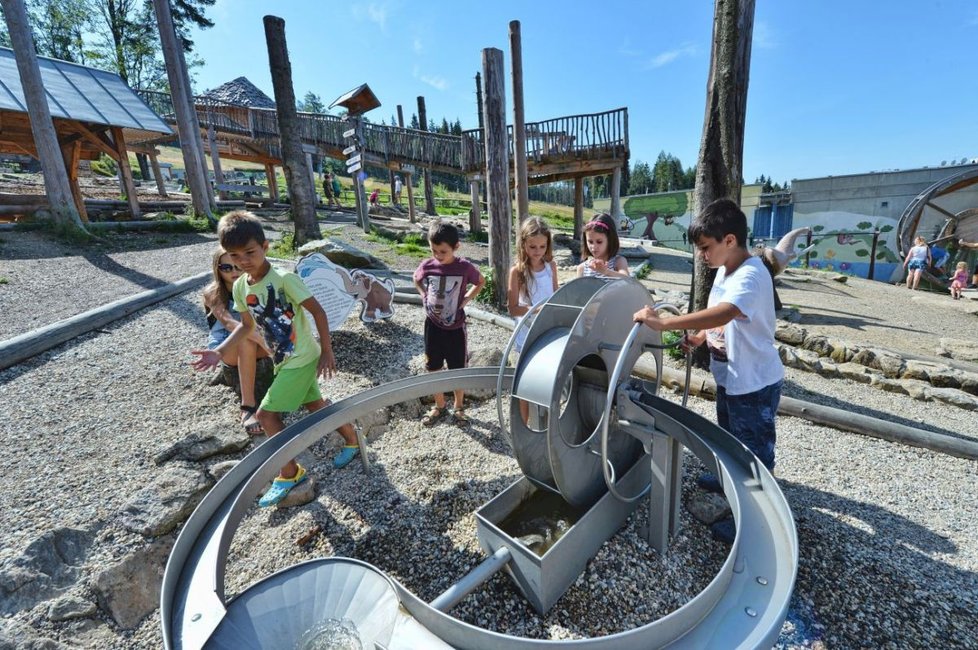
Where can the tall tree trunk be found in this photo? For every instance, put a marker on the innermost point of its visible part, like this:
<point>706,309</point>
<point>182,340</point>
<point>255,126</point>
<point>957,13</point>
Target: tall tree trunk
<point>497,171</point>
<point>182,107</point>
<point>301,192</point>
<point>719,168</point>
<point>519,123</point>
<point>56,182</point>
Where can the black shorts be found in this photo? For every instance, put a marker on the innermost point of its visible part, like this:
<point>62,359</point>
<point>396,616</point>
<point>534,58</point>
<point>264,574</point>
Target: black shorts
<point>443,347</point>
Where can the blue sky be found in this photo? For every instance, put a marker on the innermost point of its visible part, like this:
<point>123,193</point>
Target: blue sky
<point>835,87</point>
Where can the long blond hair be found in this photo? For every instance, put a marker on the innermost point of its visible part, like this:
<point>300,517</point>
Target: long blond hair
<point>216,293</point>
<point>531,227</point>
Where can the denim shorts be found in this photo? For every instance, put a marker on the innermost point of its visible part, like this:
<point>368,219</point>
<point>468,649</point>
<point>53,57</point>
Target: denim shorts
<point>750,418</point>
<point>915,265</point>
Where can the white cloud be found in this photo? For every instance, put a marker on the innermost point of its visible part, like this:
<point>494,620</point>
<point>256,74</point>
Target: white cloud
<point>435,81</point>
<point>439,83</point>
<point>417,45</point>
<point>373,12</point>
<point>667,57</point>
<point>764,37</point>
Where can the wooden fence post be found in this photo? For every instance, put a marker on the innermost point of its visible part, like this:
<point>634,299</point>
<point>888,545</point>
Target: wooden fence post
<point>429,196</point>
<point>872,253</point>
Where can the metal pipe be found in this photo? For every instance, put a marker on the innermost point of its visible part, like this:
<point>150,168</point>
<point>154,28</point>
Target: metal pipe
<point>472,581</point>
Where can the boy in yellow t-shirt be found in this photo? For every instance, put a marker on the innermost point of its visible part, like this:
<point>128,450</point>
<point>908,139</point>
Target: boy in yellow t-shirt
<point>274,302</point>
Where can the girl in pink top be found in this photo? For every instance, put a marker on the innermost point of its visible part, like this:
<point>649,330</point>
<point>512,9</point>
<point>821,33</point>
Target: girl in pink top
<point>959,280</point>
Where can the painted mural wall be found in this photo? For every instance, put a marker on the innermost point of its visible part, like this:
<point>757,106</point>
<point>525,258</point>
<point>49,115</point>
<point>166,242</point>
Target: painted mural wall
<point>843,213</point>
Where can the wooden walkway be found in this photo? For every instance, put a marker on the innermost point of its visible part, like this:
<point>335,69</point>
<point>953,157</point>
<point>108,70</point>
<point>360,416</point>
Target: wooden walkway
<point>558,149</point>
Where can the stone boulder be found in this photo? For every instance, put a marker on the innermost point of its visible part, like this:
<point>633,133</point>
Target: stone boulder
<point>708,508</point>
<point>963,349</point>
<point>219,440</point>
<point>162,506</point>
<point>790,333</point>
<point>48,567</point>
<point>342,254</point>
<point>484,357</point>
<point>129,590</point>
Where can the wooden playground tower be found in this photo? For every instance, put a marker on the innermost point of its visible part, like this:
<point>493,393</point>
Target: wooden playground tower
<point>564,148</point>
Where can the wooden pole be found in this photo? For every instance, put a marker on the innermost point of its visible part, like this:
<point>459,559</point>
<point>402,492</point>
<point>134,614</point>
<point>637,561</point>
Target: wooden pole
<point>616,193</point>
<point>409,184</point>
<point>180,96</point>
<point>579,208</point>
<point>719,167</point>
<point>160,186</point>
<point>56,182</point>
<point>429,196</point>
<point>272,183</point>
<point>198,139</point>
<point>475,215</point>
<point>300,187</point>
<point>312,177</point>
<point>872,254</point>
<point>497,170</point>
<point>482,125</point>
<point>72,154</point>
<point>125,171</point>
<point>519,122</point>
<point>216,160</point>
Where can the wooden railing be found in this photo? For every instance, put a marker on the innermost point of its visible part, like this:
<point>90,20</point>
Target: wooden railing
<point>588,136</point>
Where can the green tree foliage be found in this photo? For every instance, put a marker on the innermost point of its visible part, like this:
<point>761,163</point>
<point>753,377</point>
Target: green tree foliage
<point>312,103</point>
<point>640,181</point>
<point>116,35</point>
<point>668,173</point>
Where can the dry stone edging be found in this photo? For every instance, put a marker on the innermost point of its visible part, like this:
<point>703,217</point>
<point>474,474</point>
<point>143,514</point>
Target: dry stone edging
<point>920,379</point>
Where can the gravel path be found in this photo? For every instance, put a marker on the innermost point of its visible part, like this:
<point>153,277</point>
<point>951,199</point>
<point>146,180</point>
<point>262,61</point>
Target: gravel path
<point>888,552</point>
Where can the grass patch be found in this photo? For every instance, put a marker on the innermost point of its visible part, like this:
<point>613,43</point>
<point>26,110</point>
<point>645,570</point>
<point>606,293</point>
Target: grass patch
<point>487,293</point>
<point>4,280</point>
<point>643,271</point>
<point>412,244</point>
<point>482,236</point>
<point>284,247</point>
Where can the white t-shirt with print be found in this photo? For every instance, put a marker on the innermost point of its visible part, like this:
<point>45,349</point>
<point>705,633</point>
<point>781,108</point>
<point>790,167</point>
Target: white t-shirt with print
<point>743,357</point>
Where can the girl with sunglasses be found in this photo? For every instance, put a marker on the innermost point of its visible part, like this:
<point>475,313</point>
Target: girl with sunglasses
<point>600,250</point>
<point>222,320</point>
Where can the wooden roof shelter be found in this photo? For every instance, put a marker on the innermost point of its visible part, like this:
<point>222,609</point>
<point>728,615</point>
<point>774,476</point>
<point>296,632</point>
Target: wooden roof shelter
<point>93,111</point>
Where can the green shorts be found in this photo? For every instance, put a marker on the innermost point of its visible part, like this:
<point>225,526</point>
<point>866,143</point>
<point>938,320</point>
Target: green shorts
<point>291,388</point>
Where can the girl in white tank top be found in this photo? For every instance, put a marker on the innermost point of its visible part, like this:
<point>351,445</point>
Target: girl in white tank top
<point>533,278</point>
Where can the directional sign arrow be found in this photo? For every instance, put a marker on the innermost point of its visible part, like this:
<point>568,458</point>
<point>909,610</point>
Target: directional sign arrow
<point>352,148</point>
<point>353,159</point>
<point>352,168</point>
<point>349,133</point>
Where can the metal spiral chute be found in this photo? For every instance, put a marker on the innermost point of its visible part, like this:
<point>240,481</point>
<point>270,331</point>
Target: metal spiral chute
<point>593,444</point>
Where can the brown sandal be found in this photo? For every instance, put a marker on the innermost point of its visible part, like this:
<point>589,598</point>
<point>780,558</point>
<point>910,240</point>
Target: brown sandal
<point>250,422</point>
<point>432,416</point>
<point>460,418</point>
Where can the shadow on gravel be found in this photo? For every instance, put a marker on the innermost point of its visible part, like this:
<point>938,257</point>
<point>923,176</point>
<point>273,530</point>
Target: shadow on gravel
<point>867,573</point>
<point>848,320</point>
<point>793,390</point>
<point>39,246</point>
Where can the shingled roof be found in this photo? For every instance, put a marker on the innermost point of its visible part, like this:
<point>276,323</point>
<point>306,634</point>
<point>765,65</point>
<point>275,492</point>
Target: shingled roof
<point>240,92</point>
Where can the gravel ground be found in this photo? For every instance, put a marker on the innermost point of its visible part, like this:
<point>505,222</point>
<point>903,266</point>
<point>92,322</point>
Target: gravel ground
<point>888,556</point>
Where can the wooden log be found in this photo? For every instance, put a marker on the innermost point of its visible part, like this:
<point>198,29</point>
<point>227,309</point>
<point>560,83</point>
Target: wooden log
<point>579,208</point>
<point>72,154</point>
<point>272,182</point>
<point>702,385</point>
<point>616,193</point>
<point>429,196</point>
<point>215,159</point>
<point>125,172</point>
<point>412,210</point>
<point>42,127</point>
<point>475,213</point>
<point>300,186</point>
<point>519,126</point>
<point>158,175</point>
<point>180,94</point>
<point>25,346</point>
<point>24,199</point>
<point>497,170</point>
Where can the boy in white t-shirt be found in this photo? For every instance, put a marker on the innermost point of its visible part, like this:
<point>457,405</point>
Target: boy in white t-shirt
<point>738,327</point>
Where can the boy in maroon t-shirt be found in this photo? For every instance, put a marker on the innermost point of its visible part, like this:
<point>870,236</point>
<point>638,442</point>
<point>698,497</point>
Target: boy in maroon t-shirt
<point>444,284</point>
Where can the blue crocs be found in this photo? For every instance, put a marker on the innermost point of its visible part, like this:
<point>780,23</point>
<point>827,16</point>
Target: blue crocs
<point>281,488</point>
<point>347,454</point>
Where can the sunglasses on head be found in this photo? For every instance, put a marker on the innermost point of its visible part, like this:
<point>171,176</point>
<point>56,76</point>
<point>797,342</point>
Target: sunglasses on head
<point>227,268</point>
